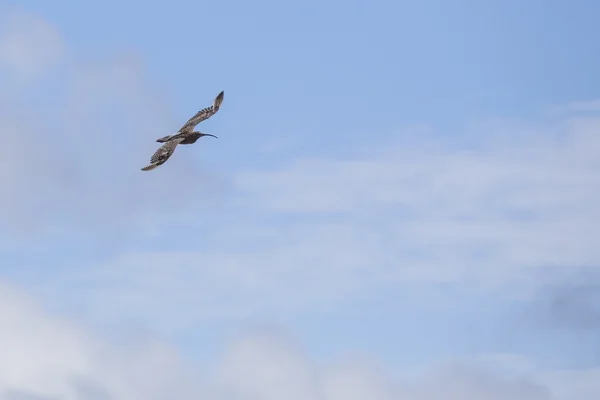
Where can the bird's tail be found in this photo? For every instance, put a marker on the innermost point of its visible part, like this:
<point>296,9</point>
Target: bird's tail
<point>163,139</point>
<point>149,167</point>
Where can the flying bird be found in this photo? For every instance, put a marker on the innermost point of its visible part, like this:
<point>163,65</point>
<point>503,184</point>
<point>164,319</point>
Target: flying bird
<point>185,135</point>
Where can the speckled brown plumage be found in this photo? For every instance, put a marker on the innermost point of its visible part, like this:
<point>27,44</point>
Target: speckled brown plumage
<point>185,135</point>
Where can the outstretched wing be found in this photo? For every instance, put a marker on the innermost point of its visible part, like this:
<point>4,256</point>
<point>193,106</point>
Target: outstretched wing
<point>163,153</point>
<point>203,114</point>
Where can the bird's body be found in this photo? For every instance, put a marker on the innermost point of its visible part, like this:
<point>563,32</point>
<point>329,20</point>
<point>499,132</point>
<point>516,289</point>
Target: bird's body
<point>185,135</point>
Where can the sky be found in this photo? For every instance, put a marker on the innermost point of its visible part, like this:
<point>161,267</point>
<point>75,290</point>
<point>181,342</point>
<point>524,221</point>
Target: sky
<point>401,203</point>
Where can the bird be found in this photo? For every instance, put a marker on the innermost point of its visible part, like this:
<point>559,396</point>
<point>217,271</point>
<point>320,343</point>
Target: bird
<point>185,135</point>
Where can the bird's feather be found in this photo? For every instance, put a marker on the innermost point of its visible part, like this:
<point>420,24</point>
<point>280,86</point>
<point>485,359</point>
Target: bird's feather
<point>203,114</point>
<point>162,154</point>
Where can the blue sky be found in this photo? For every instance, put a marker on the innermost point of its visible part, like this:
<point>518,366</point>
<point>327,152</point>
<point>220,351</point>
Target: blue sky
<point>411,182</point>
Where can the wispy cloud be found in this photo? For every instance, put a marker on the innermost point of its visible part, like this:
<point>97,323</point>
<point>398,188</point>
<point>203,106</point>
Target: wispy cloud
<point>29,45</point>
<point>489,210</point>
<point>74,142</point>
<point>493,206</point>
<point>48,357</point>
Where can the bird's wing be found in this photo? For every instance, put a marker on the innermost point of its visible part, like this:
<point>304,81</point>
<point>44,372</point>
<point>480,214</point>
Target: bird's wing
<point>163,153</point>
<point>203,114</point>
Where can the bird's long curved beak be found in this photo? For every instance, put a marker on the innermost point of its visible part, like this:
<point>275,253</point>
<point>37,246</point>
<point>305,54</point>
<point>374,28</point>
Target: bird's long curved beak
<point>208,134</point>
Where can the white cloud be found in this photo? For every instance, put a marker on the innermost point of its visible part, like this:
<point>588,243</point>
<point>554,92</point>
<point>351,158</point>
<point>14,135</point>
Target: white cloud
<point>49,357</point>
<point>268,367</point>
<point>29,45</point>
<point>499,210</point>
<point>495,206</point>
<point>501,207</point>
<point>45,356</point>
